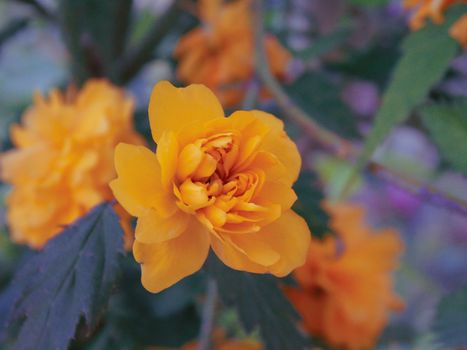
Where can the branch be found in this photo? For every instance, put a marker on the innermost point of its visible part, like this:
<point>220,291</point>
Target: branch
<point>12,28</point>
<point>207,325</point>
<point>131,63</point>
<point>39,8</point>
<point>327,139</point>
<point>424,192</point>
<point>331,141</point>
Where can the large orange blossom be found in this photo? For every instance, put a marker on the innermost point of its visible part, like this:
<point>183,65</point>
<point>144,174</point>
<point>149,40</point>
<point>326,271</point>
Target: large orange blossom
<point>214,182</point>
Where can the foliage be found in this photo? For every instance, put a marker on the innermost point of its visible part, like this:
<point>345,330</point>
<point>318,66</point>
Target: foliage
<point>369,2</point>
<point>137,319</point>
<point>412,78</point>
<point>309,204</point>
<point>260,303</point>
<point>447,123</point>
<point>450,321</point>
<point>71,278</point>
<point>315,93</point>
<point>95,33</point>
<point>325,44</point>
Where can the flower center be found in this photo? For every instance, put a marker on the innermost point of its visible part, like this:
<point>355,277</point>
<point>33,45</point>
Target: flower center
<point>212,183</point>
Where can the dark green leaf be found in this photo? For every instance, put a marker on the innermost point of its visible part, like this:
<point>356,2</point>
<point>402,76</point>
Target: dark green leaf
<point>260,304</point>
<point>325,44</point>
<point>427,54</point>
<point>95,33</point>
<point>70,279</point>
<point>137,319</point>
<point>450,323</point>
<point>374,64</point>
<point>447,124</point>
<point>321,99</point>
<point>309,202</point>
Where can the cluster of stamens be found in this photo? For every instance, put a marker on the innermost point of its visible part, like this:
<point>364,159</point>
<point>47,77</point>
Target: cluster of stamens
<point>213,182</point>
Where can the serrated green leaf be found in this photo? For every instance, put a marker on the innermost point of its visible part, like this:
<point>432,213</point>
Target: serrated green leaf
<point>321,99</point>
<point>308,204</point>
<point>70,279</point>
<point>427,54</point>
<point>450,322</point>
<point>447,124</point>
<point>259,303</point>
<point>137,319</point>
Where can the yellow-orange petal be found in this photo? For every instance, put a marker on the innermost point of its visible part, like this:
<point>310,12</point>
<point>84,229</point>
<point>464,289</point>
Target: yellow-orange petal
<point>167,155</point>
<point>23,166</point>
<point>459,31</point>
<point>233,257</point>
<point>171,108</point>
<point>278,143</point>
<point>190,159</point>
<point>289,236</point>
<point>257,251</point>
<point>152,228</point>
<point>277,192</point>
<point>252,132</point>
<point>164,264</point>
<point>138,186</point>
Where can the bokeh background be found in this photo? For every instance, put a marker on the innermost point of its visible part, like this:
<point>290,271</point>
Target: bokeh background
<point>343,52</point>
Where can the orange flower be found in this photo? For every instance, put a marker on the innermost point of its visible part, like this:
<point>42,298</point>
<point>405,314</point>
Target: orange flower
<point>346,287</point>
<point>434,9</point>
<point>63,158</point>
<point>214,181</point>
<point>459,31</point>
<point>424,9</point>
<point>220,53</point>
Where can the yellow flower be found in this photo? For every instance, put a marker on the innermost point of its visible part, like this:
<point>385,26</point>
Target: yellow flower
<point>345,293</point>
<point>220,53</point>
<point>63,158</point>
<point>214,182</point>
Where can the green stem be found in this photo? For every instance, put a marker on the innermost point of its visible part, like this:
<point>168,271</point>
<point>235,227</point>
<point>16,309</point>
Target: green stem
<point>207,320</point>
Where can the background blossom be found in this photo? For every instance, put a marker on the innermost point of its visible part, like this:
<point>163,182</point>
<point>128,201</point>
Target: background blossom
<point>346,289</point>
<point>63,158</point>
<point>219,54</point>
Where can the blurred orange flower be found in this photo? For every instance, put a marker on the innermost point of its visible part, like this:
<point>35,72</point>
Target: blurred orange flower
<point>214,181</point>
<point>63,158</point>
<point>434,9</point>
<point>459,31</point>
<point>424,9</point>
<point>220,53</point>
<point>345,292</point>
